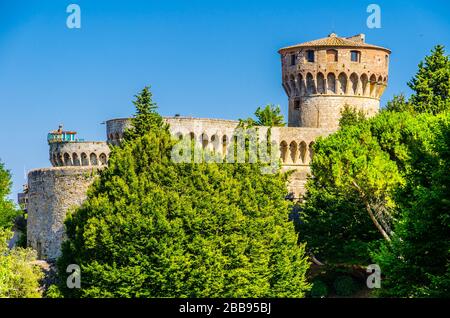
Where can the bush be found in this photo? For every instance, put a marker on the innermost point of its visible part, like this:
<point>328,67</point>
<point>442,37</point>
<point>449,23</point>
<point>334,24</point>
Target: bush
<point>319,289</point>
<point>345,286</point>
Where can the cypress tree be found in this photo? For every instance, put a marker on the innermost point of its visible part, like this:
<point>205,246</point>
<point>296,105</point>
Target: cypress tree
<point>155,228</point>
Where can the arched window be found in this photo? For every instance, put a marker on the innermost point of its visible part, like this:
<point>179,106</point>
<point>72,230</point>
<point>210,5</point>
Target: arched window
<point>293,85</point>
<point>332,56</point>
<point>93,158</point>
<point>103,159</point>
<point>354,81</point>
<point>310,87</point>
<point>76,159</point>
<point>342,79</point>
<point>320,83</point>
<point>60,160</point>
<point>283,150</point>
<point>215,142</point>
<point>224,144</point>
<point>84,159</point>
<point>311,151</point>
<point>373,83</point>
<point>205,140</point>
<point>179,136</point>
<point>331,83</point>
<point>302,150</point>
<point>293,151</point>
<point>364,81</point>
<point>301,85</point>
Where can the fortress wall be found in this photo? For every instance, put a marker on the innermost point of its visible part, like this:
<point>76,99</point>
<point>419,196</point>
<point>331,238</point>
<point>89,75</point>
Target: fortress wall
<point>295,142</point>
<point>325,111</point>
<point>52,192</point>
<point>85,153</point>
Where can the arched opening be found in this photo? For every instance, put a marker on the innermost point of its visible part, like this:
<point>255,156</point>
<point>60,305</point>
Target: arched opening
<point>93,159</point>
<point>354,81</point>
<point>117,137</point>
<point>364,81</point>
<point>301,85</point>
<point>84,159</point>
<point>311,151</point>
<point>320,83</point>
<point>293,151</point>
<point>310,87</point>
<point>373,83</point>
<point>332,56</point>
<point>103,159</point>
<point>331,83</point>
<point>179,136</point>
<point>224,144</point>
<point>302,150</point>
<point>204,140</point>
<point>76,159</point>
<point>342,79</point>
<point>60,160</point>
<point>215,142</point>
<point>293,85</point>
<point>283,151</point>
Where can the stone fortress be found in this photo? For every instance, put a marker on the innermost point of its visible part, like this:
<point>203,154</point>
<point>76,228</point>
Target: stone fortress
<point>319,77</point>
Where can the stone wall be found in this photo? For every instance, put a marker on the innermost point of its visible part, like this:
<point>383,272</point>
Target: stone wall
<point>52,192</point>
<point>79,153</point>
<point>215,134</point>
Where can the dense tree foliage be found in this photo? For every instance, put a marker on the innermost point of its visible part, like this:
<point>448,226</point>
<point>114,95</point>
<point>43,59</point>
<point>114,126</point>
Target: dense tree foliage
<point>18,276</point>
<point>431,84</point>
<point>8,212</point>
<point>269,116</point>
<point>384,182</point>
<point>399,104</point>
<point>154,228</point>
<point>351,116</point>
<point>417,262</point>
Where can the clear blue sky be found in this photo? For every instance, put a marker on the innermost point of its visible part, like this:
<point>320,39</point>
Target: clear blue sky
<point>215,58</point>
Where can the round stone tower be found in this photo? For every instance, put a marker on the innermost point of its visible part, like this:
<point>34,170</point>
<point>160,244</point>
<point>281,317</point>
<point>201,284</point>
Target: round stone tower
<point>322,76</point>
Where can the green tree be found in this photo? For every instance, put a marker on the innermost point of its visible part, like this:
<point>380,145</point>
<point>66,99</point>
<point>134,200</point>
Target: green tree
<point>155,228</point>
<point>351,203</point>
<point>8,212</point>
<point>399,103</point>
<point>19,278</point>
<point>146,118</point>
<point>417,262</point>
<point>269,116</point>
<point>351,116</point>
<point>431,84</point>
